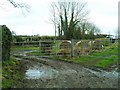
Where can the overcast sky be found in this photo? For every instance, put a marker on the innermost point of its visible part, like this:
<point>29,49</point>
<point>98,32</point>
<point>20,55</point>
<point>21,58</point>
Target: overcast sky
<point>103,13</point>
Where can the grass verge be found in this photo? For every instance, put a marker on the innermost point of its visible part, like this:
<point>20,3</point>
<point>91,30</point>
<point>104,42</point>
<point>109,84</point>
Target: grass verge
<point>11,73</point>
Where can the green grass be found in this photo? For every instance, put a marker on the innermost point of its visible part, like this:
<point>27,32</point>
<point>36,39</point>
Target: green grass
<point>106,52</point>
<point>87,60</point>
<point>107,61</point>
<point>103,58</point>
<point>20,48</point>
<point>11,74</point>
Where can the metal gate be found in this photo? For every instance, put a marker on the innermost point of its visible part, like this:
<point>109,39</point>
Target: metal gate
<point>66,48</point>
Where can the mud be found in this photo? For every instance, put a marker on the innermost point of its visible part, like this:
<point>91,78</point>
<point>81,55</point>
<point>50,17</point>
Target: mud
<point>46,73</point>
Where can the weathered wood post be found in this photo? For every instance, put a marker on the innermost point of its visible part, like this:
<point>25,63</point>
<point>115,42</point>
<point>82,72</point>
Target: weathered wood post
<point>72,48</point>
<point>23,45</point>
<point>40,47</point>
<point>56,46</point>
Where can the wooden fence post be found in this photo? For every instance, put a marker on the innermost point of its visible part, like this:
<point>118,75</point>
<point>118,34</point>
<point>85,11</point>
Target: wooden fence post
<point>40,46</point>
<point>23,45</point>
<point>56,47</point>
<point>72,48</point>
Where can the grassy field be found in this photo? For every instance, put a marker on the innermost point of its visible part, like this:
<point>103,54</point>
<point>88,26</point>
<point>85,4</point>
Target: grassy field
<point>103,58</point>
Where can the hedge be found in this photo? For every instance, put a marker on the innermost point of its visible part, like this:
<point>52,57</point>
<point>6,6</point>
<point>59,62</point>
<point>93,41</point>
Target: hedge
<point>6,42</point>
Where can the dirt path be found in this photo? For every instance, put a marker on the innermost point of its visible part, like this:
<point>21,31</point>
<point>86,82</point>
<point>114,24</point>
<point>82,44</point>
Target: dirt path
<point>45,73</point>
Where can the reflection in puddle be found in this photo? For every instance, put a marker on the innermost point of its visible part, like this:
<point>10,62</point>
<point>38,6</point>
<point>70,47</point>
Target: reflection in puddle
<point>35,73</point>
<point>112,74</point>
<point>102,73</point>
<point>21,59</point>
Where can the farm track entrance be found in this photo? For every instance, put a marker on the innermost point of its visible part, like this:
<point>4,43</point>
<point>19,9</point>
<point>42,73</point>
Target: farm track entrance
<point>53,73</point>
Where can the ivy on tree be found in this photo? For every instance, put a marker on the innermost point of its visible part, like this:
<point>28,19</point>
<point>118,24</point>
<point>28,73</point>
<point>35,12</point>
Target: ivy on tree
<point>6,42</point>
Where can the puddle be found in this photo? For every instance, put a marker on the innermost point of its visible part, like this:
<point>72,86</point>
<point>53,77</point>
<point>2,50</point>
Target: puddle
<point>34,74</point>
<point>23,53</point>
<point>102,73</point>
<point>112,74</point>
<point>41,72</point>
<point>21,59</point>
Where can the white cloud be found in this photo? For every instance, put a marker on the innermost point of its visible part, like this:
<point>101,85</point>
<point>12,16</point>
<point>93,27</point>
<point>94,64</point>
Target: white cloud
<point>104,13</point>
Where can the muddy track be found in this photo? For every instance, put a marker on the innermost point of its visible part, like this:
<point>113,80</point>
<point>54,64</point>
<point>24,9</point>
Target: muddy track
<point>46,73</point>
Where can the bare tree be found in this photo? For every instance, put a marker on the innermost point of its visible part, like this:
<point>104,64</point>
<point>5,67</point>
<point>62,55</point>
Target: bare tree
<point>67,16</point>
<point>18,5</point>
<point>88,28</point>
<point>23,6</point>
<point>92,28</point>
